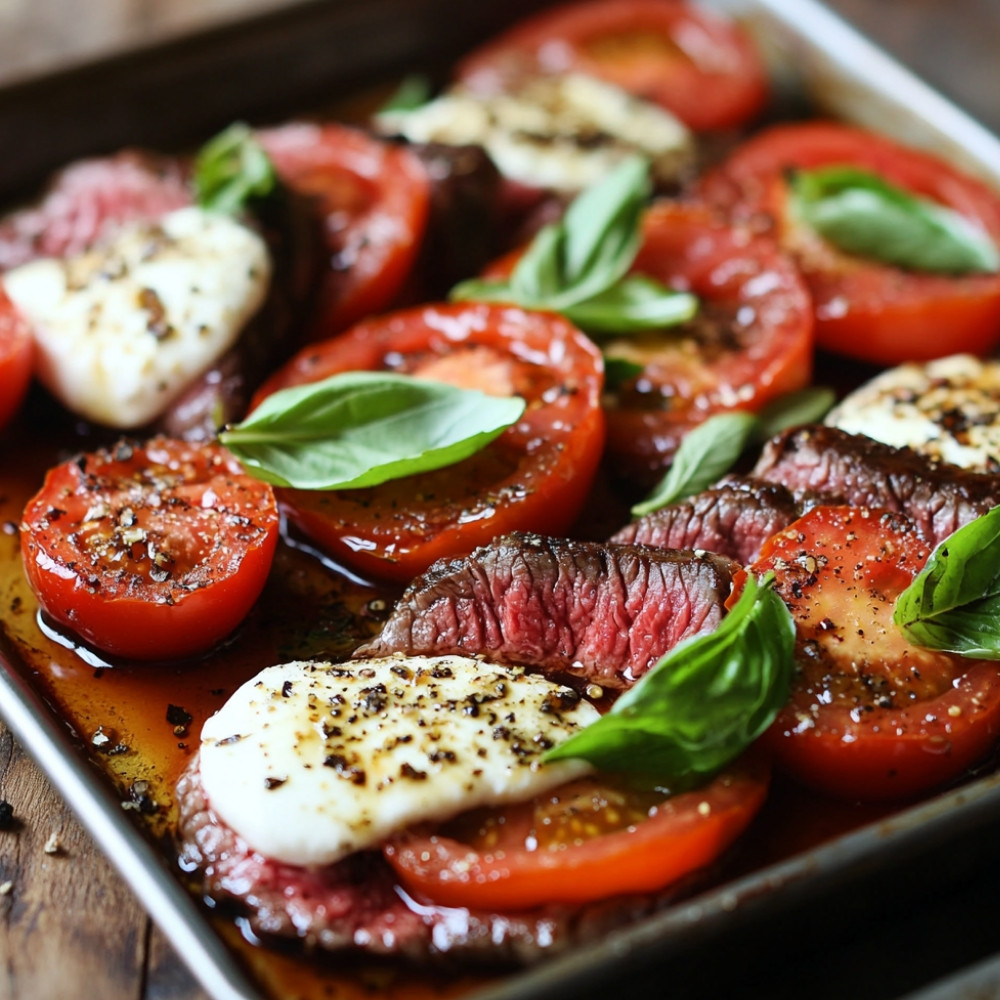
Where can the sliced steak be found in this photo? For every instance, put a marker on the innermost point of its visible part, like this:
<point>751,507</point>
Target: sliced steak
<point>357,905</point>
<point>89,199</point>
<point>940,498</point>
<point>602,612</point>
<point>732,519</point>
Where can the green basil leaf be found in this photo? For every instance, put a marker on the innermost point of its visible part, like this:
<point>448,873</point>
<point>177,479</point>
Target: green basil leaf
<point>864,215</point>
<point>618,371</point>
<point>364,428</point>
<point>413,92</point>
<point>953,604</point>
<point>538,278</point>
<point>231,170</point>
<point>602,233</point>
<point>633,305</point>
<point>807,406</point>
<point>706,453</point>
<point>704,703</point>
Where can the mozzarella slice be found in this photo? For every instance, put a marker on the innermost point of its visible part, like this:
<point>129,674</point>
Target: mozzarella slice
<point>948,409</point>
<point>124,328</point>
<point>311,761</point>
<point>558,132</point>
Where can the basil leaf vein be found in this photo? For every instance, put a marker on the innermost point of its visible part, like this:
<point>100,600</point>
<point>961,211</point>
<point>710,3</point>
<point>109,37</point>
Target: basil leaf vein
<point>231,170</point>
<point>710,450</point>
<point>862,214</point>
<point>360,429</point>
<point>704,703</point>
<point>953,603</point>
<point>579,265</point>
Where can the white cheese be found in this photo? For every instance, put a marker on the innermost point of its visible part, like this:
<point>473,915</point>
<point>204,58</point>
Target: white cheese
<point>948,409</point>
<point>558,132</point>
<point>124,328</point>
<point>311,761</point>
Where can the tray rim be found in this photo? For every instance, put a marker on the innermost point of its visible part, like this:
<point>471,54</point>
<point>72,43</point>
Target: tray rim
<point>802,25</point>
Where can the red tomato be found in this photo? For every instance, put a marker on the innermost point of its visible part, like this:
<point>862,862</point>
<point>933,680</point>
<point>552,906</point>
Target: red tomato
<point>150,552</point>
<point>16,355</point>
<point>533,477</point>
<point>871,716</point>
<point>374,199</point>
<point>694,63</point>
<point>751,341</point>
<point>588,840</point>
<point>866,309</point>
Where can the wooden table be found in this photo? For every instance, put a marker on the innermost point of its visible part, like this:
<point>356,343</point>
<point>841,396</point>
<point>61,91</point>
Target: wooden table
<point>69,926</point>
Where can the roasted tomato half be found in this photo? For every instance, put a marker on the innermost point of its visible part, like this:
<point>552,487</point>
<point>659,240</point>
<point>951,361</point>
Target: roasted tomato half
<point>16,355</point>
<point>696,64</point>
<point>150,552</point>
<point>534,477</point>
<point>864,308</point>
<point>588,840</point>
<point>871,716</point>
<point>750,342</point>
<point>373,199</point>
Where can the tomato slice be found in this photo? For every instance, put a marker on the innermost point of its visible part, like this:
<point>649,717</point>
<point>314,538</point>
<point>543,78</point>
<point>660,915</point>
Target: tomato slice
<point>751,341</point>
<point>374,199</point>
<point>533,477</point>
<point>871,716</point>
<point>150,552</point>
<point>866,309</point>
<point>16,356</point>
<point>588,840</point>
<point>698,65</point>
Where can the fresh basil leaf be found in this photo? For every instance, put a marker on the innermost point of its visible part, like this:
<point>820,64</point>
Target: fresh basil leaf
<point>578,266</point>
<point>231,170</point>
<point>633,305</point>
<point>618,371</point>
<point>413,92</point>
<point>602,233</point>
<point>364,428</point>
<point>807,406</point>
<point>704,703</point>
<point>953,603</point>
<point>862,214</point>
<point>706,453</point>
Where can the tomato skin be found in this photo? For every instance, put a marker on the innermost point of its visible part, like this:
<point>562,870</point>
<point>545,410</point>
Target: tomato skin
<point>698,65</point>
<point>534,477</point>
<point>89,538</point>
<point>752,343</point>
<point>865,309</point>
<point>871,716</point>
<point>16,358</point>
<point>660,845</point>
<point>373,198</point>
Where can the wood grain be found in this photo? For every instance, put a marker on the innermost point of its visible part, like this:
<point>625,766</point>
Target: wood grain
<point>69,926</point>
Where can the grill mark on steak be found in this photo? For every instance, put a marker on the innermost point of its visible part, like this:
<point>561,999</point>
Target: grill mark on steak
<point>602,612</point>
<point>938,497</point>
<point>733,518</point>
<point>355,904</point>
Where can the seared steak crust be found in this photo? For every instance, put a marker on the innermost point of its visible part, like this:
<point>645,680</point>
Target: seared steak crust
<point>355,904</point>
<point>732,519</point>
<point>603,612</point>
<point>940,498</point>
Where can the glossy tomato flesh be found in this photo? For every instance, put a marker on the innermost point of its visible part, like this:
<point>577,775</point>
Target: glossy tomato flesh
<point>16,356</point>
<point>373,198</point>
<point>534,477</point>
<point>150,552</point>
<point>589,840</point>
<point>866,309</point>
<point>750,342</point>
<point>871,715</point>
<point>701,67</point>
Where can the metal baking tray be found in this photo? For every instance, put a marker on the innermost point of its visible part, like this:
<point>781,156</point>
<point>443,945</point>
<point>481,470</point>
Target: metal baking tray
<point>314,50</point>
